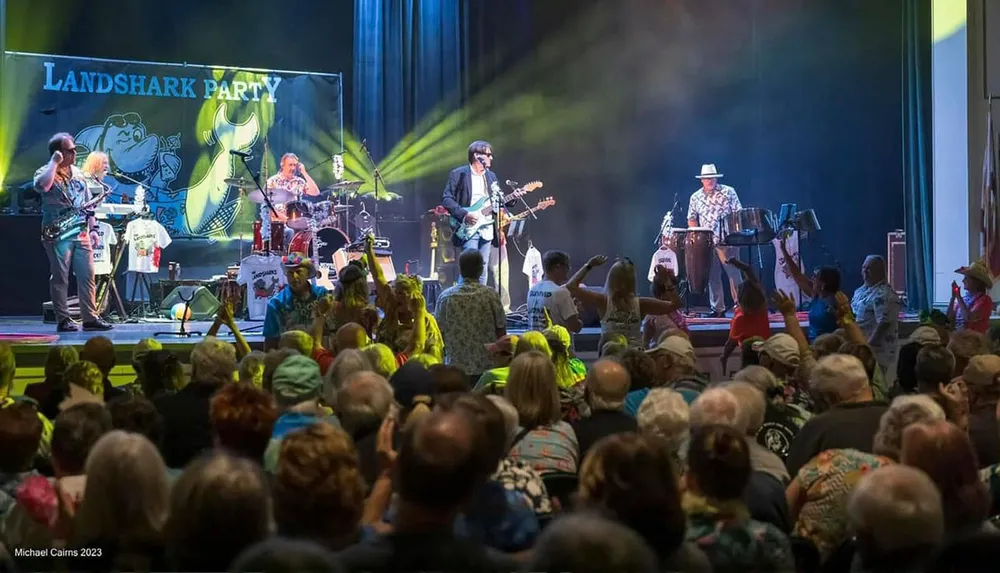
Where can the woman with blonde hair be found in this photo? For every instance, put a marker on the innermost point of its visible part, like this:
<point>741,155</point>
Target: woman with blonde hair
<point>407,327</point>
<point>543,440</point>
<point>125,504</point>
<point>620,307</point>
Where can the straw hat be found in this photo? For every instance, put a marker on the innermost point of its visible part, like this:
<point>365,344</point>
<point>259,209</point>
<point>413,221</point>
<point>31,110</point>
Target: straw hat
<point>979,271</point>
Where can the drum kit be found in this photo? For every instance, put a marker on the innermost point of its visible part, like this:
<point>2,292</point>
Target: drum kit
<point>320,228</point>
<point>749,227</point>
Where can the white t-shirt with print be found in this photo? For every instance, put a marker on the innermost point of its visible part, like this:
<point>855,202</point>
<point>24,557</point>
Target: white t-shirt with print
<point>532,266</point>
<point>102,255</point>
<point>547,295</point>
<point>146,239</point>
<point>665,257</point>
<point>264,276</point>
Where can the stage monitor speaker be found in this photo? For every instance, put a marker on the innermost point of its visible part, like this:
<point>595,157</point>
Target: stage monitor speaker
<point>204,305</point>
<point>896,261</point>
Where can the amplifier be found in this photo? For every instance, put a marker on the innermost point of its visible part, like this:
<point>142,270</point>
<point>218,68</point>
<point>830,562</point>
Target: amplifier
<point>896,261</point>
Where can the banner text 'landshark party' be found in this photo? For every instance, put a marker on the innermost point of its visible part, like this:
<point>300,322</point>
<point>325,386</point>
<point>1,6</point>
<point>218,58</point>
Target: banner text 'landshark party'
<point>159,86</point>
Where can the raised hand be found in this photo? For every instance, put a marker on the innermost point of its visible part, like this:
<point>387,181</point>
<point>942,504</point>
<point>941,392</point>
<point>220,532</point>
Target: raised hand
<point>417,303</point>
<point>323,306</point>
<point>384,451</point>
<point>844,311</point>
<point>596,261</point>
<point>225,313</point>
<point>57,157</point>
<point>784,303</point>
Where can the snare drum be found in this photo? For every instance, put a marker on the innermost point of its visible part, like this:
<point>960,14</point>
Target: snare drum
<point>330,241</point>
<point>698,253</point>
<point>298,215</point>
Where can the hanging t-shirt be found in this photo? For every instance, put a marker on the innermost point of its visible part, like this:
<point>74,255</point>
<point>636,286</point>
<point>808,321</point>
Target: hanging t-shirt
<point>264,276</point>
<point>782,279</point>
<point>532,267</point>
<point>146,238</point>
<point>102,255</point>
<point>665,257</point>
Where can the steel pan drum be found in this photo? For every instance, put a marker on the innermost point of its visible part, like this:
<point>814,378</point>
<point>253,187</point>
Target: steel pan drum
<point>751,226</point>
<point>806,222</point>
<point>299,213</point>
<point>698,253</point>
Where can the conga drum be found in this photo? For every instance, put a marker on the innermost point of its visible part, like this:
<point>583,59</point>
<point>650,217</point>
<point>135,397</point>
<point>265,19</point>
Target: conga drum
<point>698,253</point>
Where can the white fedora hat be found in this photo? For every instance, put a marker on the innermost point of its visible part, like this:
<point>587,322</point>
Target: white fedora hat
<point>708,171</point>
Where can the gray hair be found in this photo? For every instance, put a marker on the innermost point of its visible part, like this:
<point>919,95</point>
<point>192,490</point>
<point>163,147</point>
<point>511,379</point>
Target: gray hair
<point>346,363</point>
<point>717,406</point>
<point>839,378</point>
<point>586,542</point>
<point>127,495</point>
<point>758,376</point>
<point>363,401</point>
<point>898,507</point>
<point>664,415</point>
<point>510,416</point>
<point>752,402</point>
<point>213,360</point>
<point>902,413</point>
<point>297,340</point>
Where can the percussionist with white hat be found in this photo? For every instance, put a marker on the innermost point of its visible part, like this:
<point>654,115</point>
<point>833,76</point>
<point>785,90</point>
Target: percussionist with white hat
<point>708,206</point>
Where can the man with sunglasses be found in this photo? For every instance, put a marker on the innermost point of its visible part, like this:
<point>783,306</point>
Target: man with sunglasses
<point>63,186</point>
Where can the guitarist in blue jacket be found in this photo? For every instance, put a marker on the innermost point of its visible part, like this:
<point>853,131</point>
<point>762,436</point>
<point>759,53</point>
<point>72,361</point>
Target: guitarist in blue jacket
<point>467,197</point>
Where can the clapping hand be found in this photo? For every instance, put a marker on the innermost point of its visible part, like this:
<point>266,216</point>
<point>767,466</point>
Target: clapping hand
<point>323,306</point>
<point>225,313</point>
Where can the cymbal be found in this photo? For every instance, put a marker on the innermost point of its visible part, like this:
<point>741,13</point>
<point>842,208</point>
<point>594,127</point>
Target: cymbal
<point>344,186</point>
<point>276,196</point>
<point>237,182</point>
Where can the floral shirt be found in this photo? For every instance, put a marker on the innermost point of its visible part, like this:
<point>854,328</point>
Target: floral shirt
<point>825,483</point>
<point>519,477</point>
<point>469,315</point>
<point>734,542</point>
<point>294,185</point>
<point>709,210</point>
<point>548,449</point>
<point>285,311</point>
<point>873,305</point>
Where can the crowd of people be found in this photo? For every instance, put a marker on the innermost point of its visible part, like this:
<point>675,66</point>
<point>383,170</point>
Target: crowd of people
<point>386,436</point>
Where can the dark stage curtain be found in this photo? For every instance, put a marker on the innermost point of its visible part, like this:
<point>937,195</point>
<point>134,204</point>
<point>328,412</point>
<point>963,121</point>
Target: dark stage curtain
<point>917,176</point>
<point>408,59</point>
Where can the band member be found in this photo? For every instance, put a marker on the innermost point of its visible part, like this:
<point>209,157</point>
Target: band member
<point>707,208</point>
<point>293,178</point>
<point>466,186</point>
<point>63,187</point>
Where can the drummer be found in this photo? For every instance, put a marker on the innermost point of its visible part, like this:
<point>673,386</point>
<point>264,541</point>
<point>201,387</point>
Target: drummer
<point>293,179</point>
<point>707,208</point>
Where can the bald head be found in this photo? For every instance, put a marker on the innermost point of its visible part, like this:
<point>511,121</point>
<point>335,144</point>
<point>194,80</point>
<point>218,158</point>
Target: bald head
<point>437,467</point>
<point>351,336</point>
<point>608,382</point>
<point>718,406</point>
<point>897,508</point>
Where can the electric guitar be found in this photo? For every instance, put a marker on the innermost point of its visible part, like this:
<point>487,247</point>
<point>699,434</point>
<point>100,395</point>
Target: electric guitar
<point>483,209</point>
<point>540,206</point>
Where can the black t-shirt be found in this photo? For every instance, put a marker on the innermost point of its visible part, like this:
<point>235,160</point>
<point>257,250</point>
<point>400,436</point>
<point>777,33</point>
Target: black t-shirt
<point>845,426</point>
<point>779,428</point>
<point>601,423</point>
<point>187,427</point>
<point>437,551</point>
<point>983,433</point>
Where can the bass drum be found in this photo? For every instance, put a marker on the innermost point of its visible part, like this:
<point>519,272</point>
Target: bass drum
<point>329,241</point>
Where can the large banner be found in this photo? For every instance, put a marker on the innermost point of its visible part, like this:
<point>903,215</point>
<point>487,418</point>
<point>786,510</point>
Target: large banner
<point>172,128</point>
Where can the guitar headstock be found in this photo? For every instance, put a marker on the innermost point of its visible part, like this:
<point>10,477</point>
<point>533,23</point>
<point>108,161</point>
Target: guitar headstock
<point>531,186</point>
<point>545,204</point>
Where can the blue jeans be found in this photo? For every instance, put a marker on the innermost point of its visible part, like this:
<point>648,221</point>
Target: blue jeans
<point>483,246</point>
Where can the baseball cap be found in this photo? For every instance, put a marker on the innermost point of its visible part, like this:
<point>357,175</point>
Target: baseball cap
<point>298,379</point>
<point>678,346</point>
<point>783,348</point>
<point>409,382</point>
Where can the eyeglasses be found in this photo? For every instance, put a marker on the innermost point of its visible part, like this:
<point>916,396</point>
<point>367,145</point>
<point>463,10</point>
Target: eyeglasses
<point>70,150</point>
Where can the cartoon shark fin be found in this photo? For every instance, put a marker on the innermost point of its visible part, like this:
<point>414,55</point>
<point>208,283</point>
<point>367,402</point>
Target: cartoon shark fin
<point>238,136</point>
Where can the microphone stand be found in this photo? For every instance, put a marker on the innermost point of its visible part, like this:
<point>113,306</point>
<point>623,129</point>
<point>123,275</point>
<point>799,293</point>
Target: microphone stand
<point>378,177</point>
<point>256,181</point>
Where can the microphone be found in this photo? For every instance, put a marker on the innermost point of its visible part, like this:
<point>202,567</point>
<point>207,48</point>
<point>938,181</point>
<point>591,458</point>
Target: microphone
<point>510,183</point>
<point>243,154</point>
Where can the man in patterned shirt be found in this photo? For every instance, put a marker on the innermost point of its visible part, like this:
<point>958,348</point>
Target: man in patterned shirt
<point>293,307</point>
<point>293,178</point>
<point>471,317</point>
<point>707,208</point>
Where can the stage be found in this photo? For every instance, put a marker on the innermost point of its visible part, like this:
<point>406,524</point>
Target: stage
<point>31,338</point>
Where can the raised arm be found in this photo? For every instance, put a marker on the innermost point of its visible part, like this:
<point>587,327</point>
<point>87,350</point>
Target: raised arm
<point>793,268</point>
<point>311,188</point>
<point>786,306</point>
<point>383,292</point>
<point>664,277</point>
<point>845,319</point>
<point>43,181</point>
<point>418,339</point>
<point>224,316</point>
<point>583,295</point>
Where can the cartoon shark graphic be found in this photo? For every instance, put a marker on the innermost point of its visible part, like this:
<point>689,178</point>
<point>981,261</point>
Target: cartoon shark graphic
<point>207,209</point>
<point>148,158</point>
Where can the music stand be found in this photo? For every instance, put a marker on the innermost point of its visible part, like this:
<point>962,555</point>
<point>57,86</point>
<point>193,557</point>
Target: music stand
<point>183,331</point>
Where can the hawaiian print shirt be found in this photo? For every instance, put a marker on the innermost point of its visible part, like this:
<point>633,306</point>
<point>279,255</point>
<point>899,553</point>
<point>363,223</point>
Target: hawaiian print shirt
<point>519,477</point>
<point>294,185</point>
<point>285,311</point>
<point>826,482</point>
<point>469,315</point>
<point>709,210</point>
<point>873,305</point>
<point>734,542</point>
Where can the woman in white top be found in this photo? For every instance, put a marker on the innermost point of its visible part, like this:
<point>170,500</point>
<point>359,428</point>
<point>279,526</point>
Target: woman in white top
<point>620,307</point>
